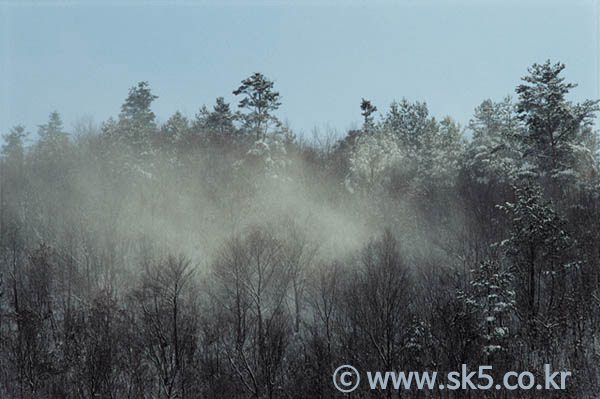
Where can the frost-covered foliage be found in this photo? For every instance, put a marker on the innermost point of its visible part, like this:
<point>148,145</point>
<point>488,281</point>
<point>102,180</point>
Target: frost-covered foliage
<point>53,140</point>
<point>555,127</point>
<point>175,129</point>
<point>137,121</point>
<point>270,155</point>
<point>491,298</point>
<point>221,257</point>
<point>494,154</point>
<point>541,251</point>
<point>174,134</point>
<point>406,151</point>
<point>411,123</point>
<point>14,146</point>
<point>439,163</point>
<point>374,156</point>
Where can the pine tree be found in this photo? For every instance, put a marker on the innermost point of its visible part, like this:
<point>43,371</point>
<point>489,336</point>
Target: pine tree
<point>554,125</point>
<point>174,133</point>
<point>13,147</point>
<point>541,252</point>
<point>494,155</point>
<point>260,100</point>
<point>53,140</point>
<point>136,120</point>
<point>137,105</point>
<point>221,118</point>
<point>410,122</point>
<point>216,126</point>
<point>367,110</point>
<point>492,298</point>
<point>439,158</point>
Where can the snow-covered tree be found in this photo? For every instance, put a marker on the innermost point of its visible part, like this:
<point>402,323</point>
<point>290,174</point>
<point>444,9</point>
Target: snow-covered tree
<point>491,297</point>
<point>406,152</point>
<point>372,159</point>
<point>540,250</point>
<point>216,126</point>
<point>494,154</point>
<point>553,138</point>
<point>269,155</point>
<point>411,123</point>
<point>438,161</point>
<point>431,149</point>
<point>174,134</point>
<point>13,147</point>
<point>53,139</point>
<point>137,121</point>
<point>137,105</point>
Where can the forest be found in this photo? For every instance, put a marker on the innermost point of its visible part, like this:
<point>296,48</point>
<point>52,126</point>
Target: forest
<point>222,256</point>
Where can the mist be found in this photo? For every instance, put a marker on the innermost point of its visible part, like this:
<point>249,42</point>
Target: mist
<point>224,256</point>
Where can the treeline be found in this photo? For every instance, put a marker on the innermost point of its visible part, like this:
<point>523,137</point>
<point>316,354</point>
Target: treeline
<point>223,257</point>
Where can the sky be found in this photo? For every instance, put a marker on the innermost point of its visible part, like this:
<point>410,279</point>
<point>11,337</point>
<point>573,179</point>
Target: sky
<point>81,58</point>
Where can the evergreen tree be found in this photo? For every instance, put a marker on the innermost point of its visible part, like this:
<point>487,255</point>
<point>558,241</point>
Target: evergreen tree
<point>371,161</point>
<point>494,155</point>
<point>541,252</point>
<point>492,298</point>
<point>367,110</point>
<point>13,147</point>
<point>53,141</point>
<point>554,125</point>
<point>175,130</point>
<point>220,120</point>
<point>137,105</point>
<point>260,100</point>
<point>216,126</point>
<point>411,123</point>
<point>439,159</point>
<point>136,120</point>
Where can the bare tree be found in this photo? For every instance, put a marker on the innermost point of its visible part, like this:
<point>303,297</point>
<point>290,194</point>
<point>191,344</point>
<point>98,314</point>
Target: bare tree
<point>167,322</point>
<point>252,281</point>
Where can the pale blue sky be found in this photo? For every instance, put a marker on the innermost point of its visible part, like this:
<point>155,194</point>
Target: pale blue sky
<point>81,59</point>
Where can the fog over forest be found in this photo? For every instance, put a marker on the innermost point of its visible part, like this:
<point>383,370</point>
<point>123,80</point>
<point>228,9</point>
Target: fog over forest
<point>222,256</point>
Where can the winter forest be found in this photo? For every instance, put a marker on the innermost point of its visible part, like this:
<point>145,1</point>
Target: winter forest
<point>222,256</point>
